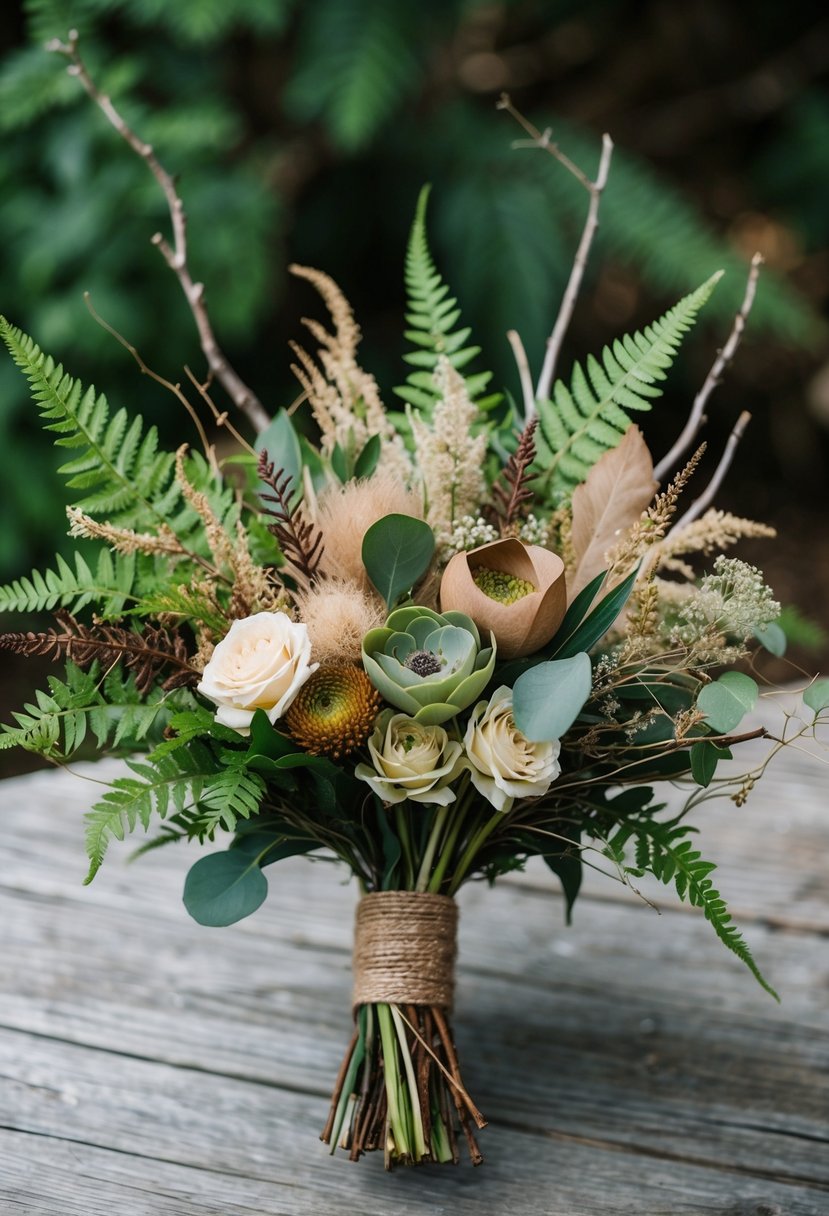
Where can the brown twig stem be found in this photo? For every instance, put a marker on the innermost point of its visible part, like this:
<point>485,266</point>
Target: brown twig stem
<point>696,418</point>
<point>709,493</point>
<point>175,389</point>
<point>595,188</point>
<point>175,255</point>
<point>524,373</point>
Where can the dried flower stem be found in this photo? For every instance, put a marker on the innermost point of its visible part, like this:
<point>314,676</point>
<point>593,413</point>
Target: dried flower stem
<point>517,475</point>
<point>707,497</point>
<point>543,140</point>
<point>697,416</point>
<point>524,373</point>
<point>219,416</point>
<point>176,255</point>
<point>175,389</point>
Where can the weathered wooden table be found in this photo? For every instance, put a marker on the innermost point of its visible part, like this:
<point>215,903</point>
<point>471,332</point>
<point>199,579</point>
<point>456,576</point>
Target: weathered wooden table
<point>151,1067</point>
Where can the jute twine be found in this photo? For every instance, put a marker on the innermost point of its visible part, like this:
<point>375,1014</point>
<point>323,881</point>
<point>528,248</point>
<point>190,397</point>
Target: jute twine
<point>404,949</point>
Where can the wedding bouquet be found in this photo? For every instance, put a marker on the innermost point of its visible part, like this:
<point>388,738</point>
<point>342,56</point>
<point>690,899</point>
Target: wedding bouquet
<point>430,641</point>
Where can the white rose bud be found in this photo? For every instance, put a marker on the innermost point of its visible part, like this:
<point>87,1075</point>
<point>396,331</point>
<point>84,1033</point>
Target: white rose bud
<point>261,663</point>
<point>504,764</point>
<point>410,760</point>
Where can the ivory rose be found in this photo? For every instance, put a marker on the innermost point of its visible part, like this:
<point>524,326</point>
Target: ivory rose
<point>504,764</point>
<point>410,760</point>
<point>261,663</point>
<point>513,590</point>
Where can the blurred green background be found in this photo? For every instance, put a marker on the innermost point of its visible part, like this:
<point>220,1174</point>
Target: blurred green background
<point>303,132</point>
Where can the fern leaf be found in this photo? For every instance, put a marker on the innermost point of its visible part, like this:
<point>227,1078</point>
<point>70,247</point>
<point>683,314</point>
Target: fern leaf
<point>433,316</point>
<point>110,586</point>
<point>665,850</point>
<point>589,417</point>
<point>119,467</point>
<point>190,777</point>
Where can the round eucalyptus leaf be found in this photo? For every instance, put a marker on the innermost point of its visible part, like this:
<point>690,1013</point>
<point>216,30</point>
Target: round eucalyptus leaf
<point>547,699</point>
<point>224,887</point>
<point>727,700</point>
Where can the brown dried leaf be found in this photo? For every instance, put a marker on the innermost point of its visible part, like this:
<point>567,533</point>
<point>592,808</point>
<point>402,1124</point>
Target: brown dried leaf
<point>615,493</point>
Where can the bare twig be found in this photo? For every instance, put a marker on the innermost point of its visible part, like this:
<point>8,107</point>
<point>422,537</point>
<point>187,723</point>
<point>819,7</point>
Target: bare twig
<point>176,255</point>
<point>696,418</point>
<point>175,389</point>
<point>524,373</point>
<point>219,416</point>
<point>707,496</point>
<point>543,140</point>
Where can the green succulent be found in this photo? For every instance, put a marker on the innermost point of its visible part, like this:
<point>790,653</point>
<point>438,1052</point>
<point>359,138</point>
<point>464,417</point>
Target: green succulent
<point>429,664</point>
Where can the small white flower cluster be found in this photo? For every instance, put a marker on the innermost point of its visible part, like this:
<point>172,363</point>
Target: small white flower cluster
<point>732,602</point>
<point>469,532</point>
<point>534,531</point>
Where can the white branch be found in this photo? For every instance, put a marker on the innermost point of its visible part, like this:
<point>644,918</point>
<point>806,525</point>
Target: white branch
<point>697,416</point>
<point>176,255</point>
<point>709,493</point>
<point>524,373</point>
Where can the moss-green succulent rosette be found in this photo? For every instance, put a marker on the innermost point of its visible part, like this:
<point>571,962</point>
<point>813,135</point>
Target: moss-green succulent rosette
<point>429,664</point>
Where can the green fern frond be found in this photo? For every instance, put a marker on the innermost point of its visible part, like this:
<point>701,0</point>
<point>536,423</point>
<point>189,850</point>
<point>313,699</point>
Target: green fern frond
<point>584,421</point>
<point>665,851</point>
<point>355,64</point>
<point>58,722</point>
<point>192,776</point>
<point>120,468</point>
<point>110,586</point>
<point>433,316</point>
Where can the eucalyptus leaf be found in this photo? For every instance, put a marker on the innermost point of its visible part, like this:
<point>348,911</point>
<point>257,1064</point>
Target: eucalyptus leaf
<point>546,700</point>
<point>727,700</point>
<point>279,440</point>
<point>772,638</point>
<point>339,462</point>
<point>705,757</point>
<point>397,550</point>
<point>224,887</point>
<point>816,695</point>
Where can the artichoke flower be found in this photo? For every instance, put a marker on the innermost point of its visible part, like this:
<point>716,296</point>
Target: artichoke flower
<point>429,664</point>
<point>513,590</point>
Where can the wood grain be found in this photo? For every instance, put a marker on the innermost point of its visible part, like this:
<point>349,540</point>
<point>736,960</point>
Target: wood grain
<point>627,1065</point>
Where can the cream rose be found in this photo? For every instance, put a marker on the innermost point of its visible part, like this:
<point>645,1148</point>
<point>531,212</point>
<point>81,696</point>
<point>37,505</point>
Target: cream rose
<point>261,663</point>
<point>504,764</point>
<point>410,760</point>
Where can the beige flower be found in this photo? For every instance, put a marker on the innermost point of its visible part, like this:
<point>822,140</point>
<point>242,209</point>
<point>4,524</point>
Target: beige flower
<point>339,614</point>
<point>345,513</point>
<point>410,761</point>
<point>515,590</point>
<point>504,764</point>
<point>261,663</point>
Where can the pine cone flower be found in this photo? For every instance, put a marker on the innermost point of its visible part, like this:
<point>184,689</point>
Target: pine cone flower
<point>334,711</point>
<point>514,590</point>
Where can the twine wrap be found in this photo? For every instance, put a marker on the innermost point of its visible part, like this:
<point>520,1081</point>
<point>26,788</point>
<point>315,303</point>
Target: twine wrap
<point>404,949</point>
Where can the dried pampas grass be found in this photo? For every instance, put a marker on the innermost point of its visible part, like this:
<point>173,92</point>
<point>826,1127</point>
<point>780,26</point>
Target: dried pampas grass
<point>338,614</point>
<point>345,513</point>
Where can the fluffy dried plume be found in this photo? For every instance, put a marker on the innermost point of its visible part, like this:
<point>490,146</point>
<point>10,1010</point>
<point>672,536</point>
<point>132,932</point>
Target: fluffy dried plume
<point>449,458</point>
<point>345,513</point>
<point>338,614</point>
<point>713,531</point>
<point>344,399</point>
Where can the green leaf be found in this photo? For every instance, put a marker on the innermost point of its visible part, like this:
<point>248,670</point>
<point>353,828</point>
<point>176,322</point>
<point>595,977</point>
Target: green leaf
<point>772,637</point>
<point>279,440</point>
<point>397,550</point>
<point>705,757</point>
<point>547,699</point>
<point>584,636</point>
<point>726,702</point>
<point>339,463</point>
<point>224,888</point>
<point>816,695</point>
<point>366,462</point>
<point>568,868</point>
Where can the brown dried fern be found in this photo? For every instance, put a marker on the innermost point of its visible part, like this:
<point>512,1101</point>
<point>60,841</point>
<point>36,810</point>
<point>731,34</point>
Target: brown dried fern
<point>299,540</point>
<point>509,499</point>
<point>146,654</point>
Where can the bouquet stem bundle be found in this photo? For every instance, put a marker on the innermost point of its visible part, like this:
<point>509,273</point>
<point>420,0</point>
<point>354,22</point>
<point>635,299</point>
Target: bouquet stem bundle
<point>399,1088</point>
